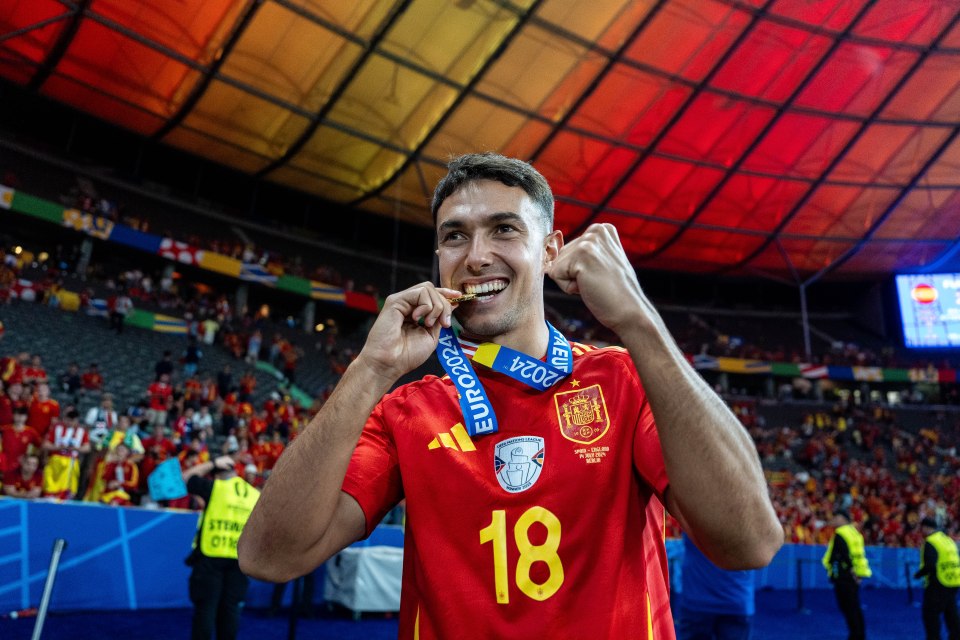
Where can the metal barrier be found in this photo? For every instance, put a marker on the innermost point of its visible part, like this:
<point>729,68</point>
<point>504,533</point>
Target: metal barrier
<point>58,546</point>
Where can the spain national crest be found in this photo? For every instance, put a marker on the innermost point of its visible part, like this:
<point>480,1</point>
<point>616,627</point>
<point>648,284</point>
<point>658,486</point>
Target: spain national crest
<point>582,414</point>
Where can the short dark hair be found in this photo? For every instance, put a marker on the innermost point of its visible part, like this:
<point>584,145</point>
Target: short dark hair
<point>512,172</point>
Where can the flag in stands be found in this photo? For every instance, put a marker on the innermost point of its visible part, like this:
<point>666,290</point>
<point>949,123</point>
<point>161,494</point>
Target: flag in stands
<point>6,197</point>
<point>98,307</point>
<point>323,291</point>
<point>813,371</point>
<point>701,361</point>
<point>253,272</point>
<point>169,324</point>
<point>96,226</point>
<point>180,251</point>
<point>220,263</point>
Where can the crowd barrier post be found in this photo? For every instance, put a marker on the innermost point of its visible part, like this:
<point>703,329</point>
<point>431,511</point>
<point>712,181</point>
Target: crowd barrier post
<point>800,607</point>
<point>58,546</point>
<point>295,606</point>
<point>909,580</point>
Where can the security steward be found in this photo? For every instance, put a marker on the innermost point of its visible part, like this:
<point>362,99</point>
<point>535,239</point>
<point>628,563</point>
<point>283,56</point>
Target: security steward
<point>846,564</point>
<point>217,586</point>
<point>940,570</point>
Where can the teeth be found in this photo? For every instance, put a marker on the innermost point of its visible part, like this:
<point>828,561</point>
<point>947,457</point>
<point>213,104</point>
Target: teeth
<point>486,287</point>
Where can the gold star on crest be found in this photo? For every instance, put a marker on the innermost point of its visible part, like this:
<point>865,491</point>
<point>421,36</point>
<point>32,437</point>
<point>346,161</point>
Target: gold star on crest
<point>575,383</point>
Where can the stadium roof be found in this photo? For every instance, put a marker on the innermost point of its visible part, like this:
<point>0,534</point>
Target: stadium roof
<point>784,137</point>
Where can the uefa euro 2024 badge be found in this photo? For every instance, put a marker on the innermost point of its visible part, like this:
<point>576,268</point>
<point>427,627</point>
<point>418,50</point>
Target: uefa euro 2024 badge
<point>518,462</point>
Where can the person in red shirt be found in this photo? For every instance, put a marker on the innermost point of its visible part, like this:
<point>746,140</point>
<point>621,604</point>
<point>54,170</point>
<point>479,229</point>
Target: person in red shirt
<point>539,473</point>
<point>25,481</point>
<point>260,451</point>
<point>209,393</point>
<point>160,397</point>
<point>15,440</point>
<point>192,390</point>
<point>257,424</point>
<point>92,381</point>
<point>43,410</point>
<point>272,451</point>
<point>12,368</point>
<point>34,373</point>
<point>229,408</point>
<point>121,477</point>
<point>247,385</point>
<point>6,405</point>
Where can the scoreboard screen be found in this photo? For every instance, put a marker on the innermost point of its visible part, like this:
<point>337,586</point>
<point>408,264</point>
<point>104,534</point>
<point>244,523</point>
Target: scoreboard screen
<point>930,309</point>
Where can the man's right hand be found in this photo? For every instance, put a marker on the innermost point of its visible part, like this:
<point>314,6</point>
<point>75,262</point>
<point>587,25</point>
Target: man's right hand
<point>407,330</point>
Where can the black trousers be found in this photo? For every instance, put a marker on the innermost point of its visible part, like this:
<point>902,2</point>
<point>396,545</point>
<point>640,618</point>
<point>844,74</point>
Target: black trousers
<point>217,590</point>
<point>848,599</point>
<point>939,601</point>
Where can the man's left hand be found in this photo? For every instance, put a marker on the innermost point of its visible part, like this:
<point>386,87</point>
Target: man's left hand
<point>595,267</point>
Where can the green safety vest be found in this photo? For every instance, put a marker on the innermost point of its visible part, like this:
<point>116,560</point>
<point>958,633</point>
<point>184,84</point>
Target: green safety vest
<point>858,557</point>
<point>231,502</point>
<point>948,560</point>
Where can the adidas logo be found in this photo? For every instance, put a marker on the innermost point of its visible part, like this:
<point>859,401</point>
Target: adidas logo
<point>457,439</point>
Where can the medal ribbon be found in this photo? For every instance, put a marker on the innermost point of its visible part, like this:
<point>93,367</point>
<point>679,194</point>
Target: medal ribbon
<point>477,411</point>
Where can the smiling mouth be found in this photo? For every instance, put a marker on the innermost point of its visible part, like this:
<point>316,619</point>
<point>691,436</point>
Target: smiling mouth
<point>484,291</point>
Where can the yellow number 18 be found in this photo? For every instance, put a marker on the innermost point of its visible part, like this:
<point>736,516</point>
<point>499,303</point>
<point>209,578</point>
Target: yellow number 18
<point>496,532</point>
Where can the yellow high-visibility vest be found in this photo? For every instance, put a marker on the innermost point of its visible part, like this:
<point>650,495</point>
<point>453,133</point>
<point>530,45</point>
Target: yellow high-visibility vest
<point>948,560</point>
<point>855,546</point>
<point>231,502</point>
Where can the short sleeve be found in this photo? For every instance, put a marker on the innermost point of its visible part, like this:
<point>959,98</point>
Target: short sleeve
<point>647,452</point>
<point>373,476</point>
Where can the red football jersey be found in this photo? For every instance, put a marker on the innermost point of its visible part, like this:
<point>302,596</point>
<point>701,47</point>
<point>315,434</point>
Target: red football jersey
<point>15,479</point>
<point>552,527</point>
<point>14,444</point>
<point>42,413</point>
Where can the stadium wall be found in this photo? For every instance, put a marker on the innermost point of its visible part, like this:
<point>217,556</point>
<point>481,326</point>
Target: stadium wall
<point>130,558</point>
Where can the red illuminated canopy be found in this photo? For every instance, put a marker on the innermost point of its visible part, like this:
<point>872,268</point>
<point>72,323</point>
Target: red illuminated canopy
<point>780,137</point>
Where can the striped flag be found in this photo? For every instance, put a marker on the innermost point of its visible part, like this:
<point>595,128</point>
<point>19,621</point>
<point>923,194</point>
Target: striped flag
<point>169,324</point>
<point>323,291</point>
<point>703,361</point>
<point>813,371</point>
<point>253,272</point>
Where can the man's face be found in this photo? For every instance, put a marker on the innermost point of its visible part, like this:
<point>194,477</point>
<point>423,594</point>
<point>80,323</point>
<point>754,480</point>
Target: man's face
<point>29,464</point>
<point>492,241</point>
<point>43,392</point>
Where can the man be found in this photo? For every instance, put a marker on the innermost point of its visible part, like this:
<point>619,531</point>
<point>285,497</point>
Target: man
<point>548,522</point>
<point>92,380</point>
<point>846,564</point>
<point>715,604</point>
<point>217,586</point>
<point>164,366</point>
<point>43,410</point>
<point>101,420</point>
<point>16,439</point>
<point>66,444</point>
<point>70,382</point>
<point>160,396</point>
<point>940,570</point>
<point>120,305</point>
<point>26,481</point>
